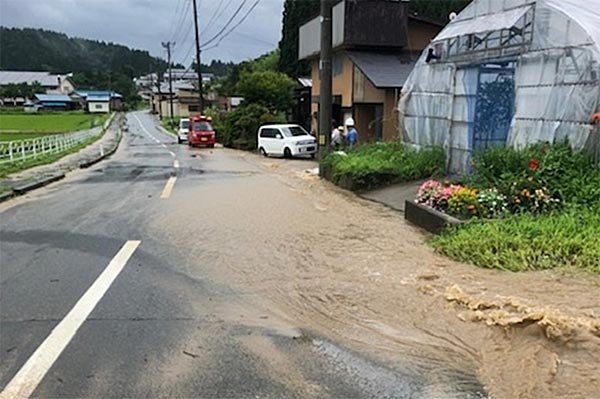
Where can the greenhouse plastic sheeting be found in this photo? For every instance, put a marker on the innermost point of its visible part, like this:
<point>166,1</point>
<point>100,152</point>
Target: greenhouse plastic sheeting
<point>484,23</point>
<point>556,75</point>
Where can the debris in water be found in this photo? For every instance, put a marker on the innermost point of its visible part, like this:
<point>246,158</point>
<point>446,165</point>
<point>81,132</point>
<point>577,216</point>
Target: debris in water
<point>192,355</point>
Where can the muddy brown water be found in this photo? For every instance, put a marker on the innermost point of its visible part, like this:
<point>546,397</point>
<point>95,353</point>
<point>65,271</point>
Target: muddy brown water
<point>350,271</point>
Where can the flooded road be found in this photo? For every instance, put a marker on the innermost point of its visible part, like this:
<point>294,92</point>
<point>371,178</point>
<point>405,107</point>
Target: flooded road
<point>254,278</point>
<point>353,272</point>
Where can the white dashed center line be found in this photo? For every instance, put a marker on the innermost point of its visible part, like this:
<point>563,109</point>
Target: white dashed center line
<point>166,193</point>
<point>176,164</point>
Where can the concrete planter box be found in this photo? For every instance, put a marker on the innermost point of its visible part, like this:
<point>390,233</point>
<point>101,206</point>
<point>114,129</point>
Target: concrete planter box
<point>428,218</point>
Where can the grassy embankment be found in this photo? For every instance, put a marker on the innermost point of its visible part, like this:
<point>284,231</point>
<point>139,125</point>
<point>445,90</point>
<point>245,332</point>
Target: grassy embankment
<point>373,165</point>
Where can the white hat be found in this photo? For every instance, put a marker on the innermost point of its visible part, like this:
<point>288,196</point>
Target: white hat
<point>349,122</point>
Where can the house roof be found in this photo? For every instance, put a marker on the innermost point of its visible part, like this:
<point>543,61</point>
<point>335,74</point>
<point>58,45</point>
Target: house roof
<point>384,70</point>
<point>62,98</point>
<point>46,79</point>
<point>97,93</point>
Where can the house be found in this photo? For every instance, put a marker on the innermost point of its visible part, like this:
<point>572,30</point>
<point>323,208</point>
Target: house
<point>375,44</point>
<point>52,83</point>
<point>98,101</point>
<point>185,99</point>
<point>507,73</point>
<point>54,102</point>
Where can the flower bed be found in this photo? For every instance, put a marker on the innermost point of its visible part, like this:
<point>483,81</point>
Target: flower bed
<point>536,208</point>
<point>373,165</point>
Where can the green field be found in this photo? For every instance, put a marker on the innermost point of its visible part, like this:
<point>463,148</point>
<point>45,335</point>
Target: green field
<point>19,126</point>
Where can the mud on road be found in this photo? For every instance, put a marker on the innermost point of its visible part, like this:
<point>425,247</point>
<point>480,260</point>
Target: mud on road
<point>346,270</point>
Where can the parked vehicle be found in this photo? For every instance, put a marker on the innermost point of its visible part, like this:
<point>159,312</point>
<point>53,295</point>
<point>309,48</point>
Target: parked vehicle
<point>201,132</point>
<point>286,140</point>
<point>182,132</point>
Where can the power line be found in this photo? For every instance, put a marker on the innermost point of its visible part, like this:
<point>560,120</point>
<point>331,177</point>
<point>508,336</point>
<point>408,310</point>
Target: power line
<point>178,26</point>
<point>233,27</point>
<point>216,36</point>
<point>212,18</point>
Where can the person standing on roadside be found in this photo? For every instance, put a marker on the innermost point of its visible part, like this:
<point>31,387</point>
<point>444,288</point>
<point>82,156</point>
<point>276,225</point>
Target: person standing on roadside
<point>352,134</point>
<point>337,137</point>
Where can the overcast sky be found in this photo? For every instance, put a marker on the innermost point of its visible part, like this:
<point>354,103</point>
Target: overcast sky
<point>143,24</point>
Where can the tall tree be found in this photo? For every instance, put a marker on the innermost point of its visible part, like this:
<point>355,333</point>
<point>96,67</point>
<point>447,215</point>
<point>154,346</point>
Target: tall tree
<point>295,13</point>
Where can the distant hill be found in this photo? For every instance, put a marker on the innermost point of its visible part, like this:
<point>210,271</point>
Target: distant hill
<point>95,64</point>
<point>38,49</point>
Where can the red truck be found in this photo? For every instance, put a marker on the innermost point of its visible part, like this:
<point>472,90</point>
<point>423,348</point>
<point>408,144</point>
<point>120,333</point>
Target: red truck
<point>201,132</point>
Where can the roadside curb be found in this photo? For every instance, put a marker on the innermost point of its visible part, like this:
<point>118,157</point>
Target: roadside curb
<point>6,196</point>
<point>93,161</point>
<point>25,188</point>
<point>166,131</point>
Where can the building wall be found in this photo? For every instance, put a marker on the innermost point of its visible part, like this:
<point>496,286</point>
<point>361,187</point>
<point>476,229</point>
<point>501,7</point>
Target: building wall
<point>420,34</point>
<point>98,107</point>
<point>342,79</point>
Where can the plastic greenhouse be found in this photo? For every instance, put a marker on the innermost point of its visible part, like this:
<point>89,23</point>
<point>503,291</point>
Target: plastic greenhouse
<point>507,72</point>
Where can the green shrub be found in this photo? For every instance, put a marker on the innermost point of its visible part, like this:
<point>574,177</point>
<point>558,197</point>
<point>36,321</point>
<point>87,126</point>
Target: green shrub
<point>568,176</point>
<point>374,165</point>
<point>566,239</point>
<point>240,126</point>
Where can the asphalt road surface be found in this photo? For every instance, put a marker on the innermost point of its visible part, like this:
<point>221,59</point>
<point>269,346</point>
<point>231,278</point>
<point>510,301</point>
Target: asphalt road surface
<point>111,286</point>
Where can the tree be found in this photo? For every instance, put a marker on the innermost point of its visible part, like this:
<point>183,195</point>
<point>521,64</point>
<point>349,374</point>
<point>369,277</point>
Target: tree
<point>295,13</point>
<point>273,90</point>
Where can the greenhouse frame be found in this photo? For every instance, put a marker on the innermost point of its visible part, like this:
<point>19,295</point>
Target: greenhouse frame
<point>507,72</point>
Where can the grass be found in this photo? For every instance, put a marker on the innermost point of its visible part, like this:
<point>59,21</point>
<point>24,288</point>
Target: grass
<point>563,240</point>
<point>19,126</point>
<point>171,125</point>
<point>372,165</point>
<point>563,236</point>
<point>18,166</point>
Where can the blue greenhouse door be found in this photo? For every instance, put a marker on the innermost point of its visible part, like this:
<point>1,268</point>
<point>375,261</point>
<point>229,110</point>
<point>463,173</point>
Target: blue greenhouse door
<point>495,104</point>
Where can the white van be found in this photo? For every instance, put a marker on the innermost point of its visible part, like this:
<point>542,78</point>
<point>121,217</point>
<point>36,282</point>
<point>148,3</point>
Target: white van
<point>286,140</point>
<point>182,132</point>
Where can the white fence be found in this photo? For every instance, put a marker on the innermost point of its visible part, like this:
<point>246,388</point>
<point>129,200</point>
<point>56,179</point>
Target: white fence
<point>21,150</point>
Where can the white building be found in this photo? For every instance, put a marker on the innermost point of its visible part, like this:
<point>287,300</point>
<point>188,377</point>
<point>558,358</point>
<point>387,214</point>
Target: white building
<point>52,84</point>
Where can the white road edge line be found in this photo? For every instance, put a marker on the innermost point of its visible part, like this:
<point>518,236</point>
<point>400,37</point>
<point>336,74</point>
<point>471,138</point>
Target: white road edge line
<point>166,193</point>
<point>33,371</point>
<point>172,153</point>
<point>146,130</point>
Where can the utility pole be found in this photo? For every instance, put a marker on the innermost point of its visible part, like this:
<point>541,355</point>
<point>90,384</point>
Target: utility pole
<point>198,65</point>
<point>325,95</point>
<point>168,46</point>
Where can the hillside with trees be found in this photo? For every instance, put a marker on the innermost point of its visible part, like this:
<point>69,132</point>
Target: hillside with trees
<point>95,64</point>
<point>296,13</point>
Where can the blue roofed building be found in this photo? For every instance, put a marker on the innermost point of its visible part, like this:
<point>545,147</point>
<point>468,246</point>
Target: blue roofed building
<point>98,101</point>
<point>54,101</point>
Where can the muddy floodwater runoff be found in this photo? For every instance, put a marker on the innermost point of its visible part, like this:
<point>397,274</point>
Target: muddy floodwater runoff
<point>347,272</point>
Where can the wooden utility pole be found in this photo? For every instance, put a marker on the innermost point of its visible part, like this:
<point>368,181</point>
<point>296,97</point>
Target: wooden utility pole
<point>325,95</point>
<point>168,46</point>
<point>198,65</point>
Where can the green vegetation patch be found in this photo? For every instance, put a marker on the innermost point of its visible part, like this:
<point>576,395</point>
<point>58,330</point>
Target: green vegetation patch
<point>563,240</point>
<point>12,125</point>
<point>14,167</point>
<point>551,195</point>
<point>372,165</point>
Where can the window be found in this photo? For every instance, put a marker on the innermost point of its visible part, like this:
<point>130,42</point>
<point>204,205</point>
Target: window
<point>201,127</point>
<point>184,124</point>
<point>294,131</point>
<point>337,65</point>
<point>269,133</point>
<point>98,106</point>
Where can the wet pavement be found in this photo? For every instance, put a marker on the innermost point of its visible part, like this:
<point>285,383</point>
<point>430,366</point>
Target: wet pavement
<point>253,278</point>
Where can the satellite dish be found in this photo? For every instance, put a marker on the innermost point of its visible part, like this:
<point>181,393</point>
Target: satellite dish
<point>452,16</point>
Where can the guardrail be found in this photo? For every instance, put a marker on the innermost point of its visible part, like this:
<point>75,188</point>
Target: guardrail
<point>21,150</point>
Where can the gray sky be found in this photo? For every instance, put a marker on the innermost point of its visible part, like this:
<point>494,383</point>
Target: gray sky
<point>143,24</point>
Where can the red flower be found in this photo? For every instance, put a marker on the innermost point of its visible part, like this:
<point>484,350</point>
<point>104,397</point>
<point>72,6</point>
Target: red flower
<point>534,164</point>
